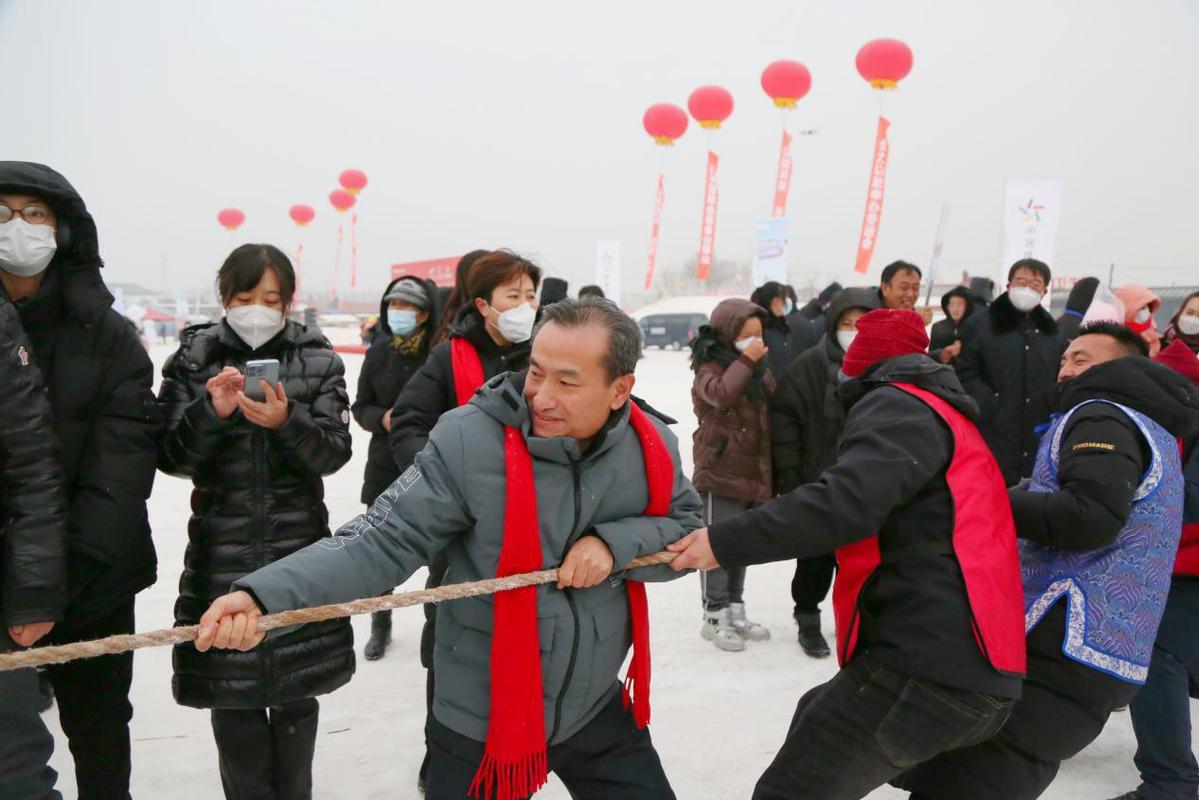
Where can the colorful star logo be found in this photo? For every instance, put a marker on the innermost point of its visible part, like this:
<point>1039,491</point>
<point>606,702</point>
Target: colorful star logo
<point>1032,211</point>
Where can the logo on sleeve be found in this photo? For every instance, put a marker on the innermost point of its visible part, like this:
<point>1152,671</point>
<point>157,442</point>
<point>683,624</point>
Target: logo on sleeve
<point>1111,448</point>
<point>23,354</point>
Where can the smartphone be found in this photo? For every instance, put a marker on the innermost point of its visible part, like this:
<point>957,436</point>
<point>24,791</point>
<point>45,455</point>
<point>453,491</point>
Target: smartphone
<point>265,369</point>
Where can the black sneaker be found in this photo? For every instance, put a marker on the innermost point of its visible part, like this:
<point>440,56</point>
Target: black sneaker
<point>810,637</point>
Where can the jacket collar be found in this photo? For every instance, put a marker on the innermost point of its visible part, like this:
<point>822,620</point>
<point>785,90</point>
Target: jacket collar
<point>1006,317</point>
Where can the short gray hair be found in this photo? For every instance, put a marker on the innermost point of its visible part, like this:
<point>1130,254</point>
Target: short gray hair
<point>624,335</point>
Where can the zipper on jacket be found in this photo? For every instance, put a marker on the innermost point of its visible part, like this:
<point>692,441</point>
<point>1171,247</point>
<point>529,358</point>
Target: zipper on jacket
<point>570,601</point>
<point>257,448</point>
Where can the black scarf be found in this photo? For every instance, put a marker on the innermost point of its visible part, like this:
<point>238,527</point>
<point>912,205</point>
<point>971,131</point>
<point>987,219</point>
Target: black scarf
<point>708,346</point>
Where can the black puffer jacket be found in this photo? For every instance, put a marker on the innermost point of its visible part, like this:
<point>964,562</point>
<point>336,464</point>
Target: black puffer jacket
<point>387,368</point>
<point>806,414</point>
<point>33,556</point>
<point>100,384</point>
<point>258,497</point>
<point>430,393</point>
<point>1009,365</point>
<point>787,339</point>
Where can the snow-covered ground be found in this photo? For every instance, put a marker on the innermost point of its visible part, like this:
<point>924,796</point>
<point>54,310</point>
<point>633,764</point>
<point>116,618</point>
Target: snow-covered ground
<point>718,717</point>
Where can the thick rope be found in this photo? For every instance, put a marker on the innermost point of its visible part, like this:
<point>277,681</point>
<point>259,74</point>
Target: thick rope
<point>135,641</point>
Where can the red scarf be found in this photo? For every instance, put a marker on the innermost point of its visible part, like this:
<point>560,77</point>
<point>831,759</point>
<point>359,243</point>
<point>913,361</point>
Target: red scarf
<point>514,759</point>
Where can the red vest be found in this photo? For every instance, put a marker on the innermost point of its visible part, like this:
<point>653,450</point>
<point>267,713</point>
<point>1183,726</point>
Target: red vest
<point>1187,562</point>
<point>984,542</point>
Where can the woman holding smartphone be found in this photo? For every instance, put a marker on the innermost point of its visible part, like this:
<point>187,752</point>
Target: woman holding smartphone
<point>257,468</point>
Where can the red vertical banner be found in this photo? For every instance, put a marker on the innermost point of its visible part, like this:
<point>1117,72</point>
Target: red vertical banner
<point>873,217</point>
<point>337,260</point>
<point>654,231</point>
<point>354,251</point>
<point>707,235</point>
<point>782,181</point>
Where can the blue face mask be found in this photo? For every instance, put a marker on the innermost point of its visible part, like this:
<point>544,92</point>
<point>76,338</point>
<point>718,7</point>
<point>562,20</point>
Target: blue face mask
<point>401,321</point>
<point>788,307</point>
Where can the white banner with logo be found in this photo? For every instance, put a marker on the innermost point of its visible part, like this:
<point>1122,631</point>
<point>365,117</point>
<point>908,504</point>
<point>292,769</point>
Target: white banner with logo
<point>607,269</point>
<point>1031,212</point>
<point>770,251</point>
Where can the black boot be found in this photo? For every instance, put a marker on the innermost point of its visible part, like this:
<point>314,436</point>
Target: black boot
<point>376,646</point>
<point>810,638</point>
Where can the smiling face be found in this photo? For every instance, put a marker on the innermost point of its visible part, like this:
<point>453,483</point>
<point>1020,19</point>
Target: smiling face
<point>903,291</point>
<point>1087,351</point>
<point>568,390</point>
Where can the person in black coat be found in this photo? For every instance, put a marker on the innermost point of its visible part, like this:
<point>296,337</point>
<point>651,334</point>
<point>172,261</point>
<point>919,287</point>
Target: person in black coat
<point>945,337</point>
<point>915,680</point>
<point>257,468</point>
<point>33,560</point>
<point>407,319</point>
<point>784,340</point>
<point>497,286</point>
<point>99,381</point>
<point>1077,303</point>
<point>805,420</point>
<point>1009,365</point>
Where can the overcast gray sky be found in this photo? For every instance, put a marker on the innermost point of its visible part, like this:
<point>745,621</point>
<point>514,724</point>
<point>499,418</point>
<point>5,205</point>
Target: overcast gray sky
<point>486,124</point>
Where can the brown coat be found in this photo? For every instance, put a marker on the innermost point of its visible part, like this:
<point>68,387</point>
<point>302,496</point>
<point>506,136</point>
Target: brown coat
<point>731,445</point>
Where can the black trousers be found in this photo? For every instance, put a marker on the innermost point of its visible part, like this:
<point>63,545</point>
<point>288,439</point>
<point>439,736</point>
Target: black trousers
<point>1047,726</point>
<point>25,744</point>
<point>94,707</point>
<point>610,758</point>
<point>867,725</point>
<point>813,578</point>
<point>266,754</point>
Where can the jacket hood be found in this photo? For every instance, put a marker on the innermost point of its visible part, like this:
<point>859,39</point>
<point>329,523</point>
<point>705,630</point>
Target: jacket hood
<point>1156,391</point>
<point>434,305</point>
<point>1006,317</point>
<point>983,289</point>
<point>1081,295</point>
<point>553,290</point>
<point>828,293</point>
<point>77,260</point>
<point>1135,297</point>
<point>728,317</point>
<point>200,345</point>
<point>919,370</point>
<point>962,292</point>
<point>854,297</point>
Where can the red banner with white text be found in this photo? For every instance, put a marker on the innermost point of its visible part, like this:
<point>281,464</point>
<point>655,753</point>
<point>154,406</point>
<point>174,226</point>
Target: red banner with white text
<point>707,235</point>
<point>873,217</point>
<point>782,181</point>
<point>654,231</point>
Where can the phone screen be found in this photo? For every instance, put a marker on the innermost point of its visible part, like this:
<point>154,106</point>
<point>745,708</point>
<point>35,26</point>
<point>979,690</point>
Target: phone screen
<point>266,369</point>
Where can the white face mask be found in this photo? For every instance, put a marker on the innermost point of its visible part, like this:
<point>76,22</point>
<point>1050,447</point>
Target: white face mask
<point>26,249</point>
<point>845,339</point>
<point>516,324</point>
<point>1188,325</point>
<point>256,325</point>
<point>1142,316</point>
<point>743,344</point>
<point>1023,298</point>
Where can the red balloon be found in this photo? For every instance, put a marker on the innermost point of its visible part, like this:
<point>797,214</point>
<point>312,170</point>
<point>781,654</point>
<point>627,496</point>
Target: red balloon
<point>231,218</point>
<point>710,105</point>
<point>884,62</point>
<point>352,180</point>
<point>342,200</point>
<point>665,122</point>
<point>786,82</point>
<point>301,214</point>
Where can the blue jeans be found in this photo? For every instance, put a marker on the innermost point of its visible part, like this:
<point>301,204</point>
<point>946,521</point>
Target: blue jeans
<point>1161,711</point>
<point>25,744</point>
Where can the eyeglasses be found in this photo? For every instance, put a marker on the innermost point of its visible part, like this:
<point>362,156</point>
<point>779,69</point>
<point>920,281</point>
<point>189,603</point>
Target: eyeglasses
<point>34,215</point>
<point>1036,284</point>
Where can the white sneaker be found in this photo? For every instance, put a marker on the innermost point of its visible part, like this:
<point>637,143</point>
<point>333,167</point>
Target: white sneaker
<point>720,632</point>
<point>744,627</point>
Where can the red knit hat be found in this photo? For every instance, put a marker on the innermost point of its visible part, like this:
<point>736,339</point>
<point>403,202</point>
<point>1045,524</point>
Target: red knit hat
<point>884,333</point>
<point>1179,358</point>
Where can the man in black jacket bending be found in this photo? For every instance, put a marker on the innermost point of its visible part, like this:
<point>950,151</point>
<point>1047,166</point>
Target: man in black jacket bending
<point>33,566</point>
<point>107,421</point>
<point>930,624</point>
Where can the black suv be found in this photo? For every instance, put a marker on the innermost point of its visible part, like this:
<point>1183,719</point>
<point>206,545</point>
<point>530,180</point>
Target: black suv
<point>671,330</point>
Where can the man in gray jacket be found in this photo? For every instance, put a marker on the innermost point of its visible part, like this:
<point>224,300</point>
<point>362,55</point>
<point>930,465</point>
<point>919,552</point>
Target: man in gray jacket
<point>585,438</point>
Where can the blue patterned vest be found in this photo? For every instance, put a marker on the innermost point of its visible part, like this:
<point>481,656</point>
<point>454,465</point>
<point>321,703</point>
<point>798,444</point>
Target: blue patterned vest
<point>1116,594</point>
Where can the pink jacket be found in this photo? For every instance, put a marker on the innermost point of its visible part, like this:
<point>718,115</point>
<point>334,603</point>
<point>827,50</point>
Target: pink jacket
<point>1135,297</point>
